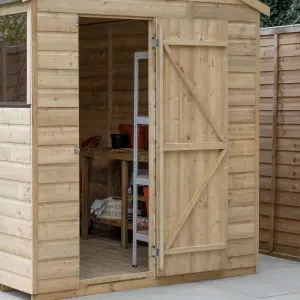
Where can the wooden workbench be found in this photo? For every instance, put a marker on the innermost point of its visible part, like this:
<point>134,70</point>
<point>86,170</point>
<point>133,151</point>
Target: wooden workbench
<point>123,155</point>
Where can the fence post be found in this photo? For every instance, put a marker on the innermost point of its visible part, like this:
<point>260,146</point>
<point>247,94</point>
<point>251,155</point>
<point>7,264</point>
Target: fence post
<point>274,144</point>
<point>3,70</point>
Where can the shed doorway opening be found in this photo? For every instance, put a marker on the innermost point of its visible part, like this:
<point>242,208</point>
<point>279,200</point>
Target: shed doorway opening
<point>110,51</point>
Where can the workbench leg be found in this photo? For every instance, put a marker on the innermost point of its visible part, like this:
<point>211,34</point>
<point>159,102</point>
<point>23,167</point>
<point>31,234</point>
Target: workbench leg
<point>85,198</point>
<point>124,229</point>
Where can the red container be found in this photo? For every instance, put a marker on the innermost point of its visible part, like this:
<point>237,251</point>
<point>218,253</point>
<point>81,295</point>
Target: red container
<point>124,128</point>
<point>146,195</point>
<point>142,136</point>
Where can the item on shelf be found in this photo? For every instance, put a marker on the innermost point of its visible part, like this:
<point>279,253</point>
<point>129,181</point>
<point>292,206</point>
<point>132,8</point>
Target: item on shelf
<point>124,128</point>
<point>119,141</point>
<point>142,131</point>
<point>142,223</point>
<point>146,195</point>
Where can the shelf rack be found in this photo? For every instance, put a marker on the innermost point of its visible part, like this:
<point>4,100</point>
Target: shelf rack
<point>141,235</point>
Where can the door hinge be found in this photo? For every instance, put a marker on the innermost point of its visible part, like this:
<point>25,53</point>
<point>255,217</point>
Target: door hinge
<point>155,252</point>
<point>77,21</point>
<point>155,42</point>
<point>76,150</point>
<point>77,272</point>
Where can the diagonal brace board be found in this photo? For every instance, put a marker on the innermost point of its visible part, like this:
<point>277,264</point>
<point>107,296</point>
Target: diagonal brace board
<point>195,198</point>
<point>192,89</point>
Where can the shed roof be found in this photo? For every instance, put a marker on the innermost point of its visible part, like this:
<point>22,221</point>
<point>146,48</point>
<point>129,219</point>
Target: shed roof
<point>256,4</point>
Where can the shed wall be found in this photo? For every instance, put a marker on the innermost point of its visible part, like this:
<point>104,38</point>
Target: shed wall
<point>286,165</point>
<point>15,198</point>
<point>58,127</point>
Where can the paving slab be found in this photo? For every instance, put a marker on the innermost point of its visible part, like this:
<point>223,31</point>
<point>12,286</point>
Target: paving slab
<point>277,279</point>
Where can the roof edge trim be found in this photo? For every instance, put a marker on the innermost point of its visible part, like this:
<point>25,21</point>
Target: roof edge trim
<point>256,4</point>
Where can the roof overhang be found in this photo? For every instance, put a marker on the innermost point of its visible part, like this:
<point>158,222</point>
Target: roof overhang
<point>256,4</point>
<point>261,7</point>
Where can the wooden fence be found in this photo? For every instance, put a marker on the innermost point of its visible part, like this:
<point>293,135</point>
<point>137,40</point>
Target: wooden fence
<point>280,141</point>
<point>13,73</point>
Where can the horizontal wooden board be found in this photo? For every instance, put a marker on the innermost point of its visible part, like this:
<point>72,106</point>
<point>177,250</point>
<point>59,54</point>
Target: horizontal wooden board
<point>238,262</point>
<point>284,64</point>
<point>241,131</point>
<point>284,77</point>
<point>282,171</point>
<point>58,173</point>
<point>58,98</point>
<point>242,47</point>
<point>56,41</point>
<point>240,214</point>
<point>118,8</point>
<point>58,79</point>
<point>15,264</point>
<point>58,135</point>
<point>15,245</point>
<point>15,209</point>
<point>241,30</point>
<point>58,268</point>
<point>241,181</point>
<point>281,225</point>
<point>15,134</point>
<point>283,131</point>
<point>63,230</point>
<point>241,164</point>
<point>241,81</point>
<point>282,184</point>
<point>57,155</point>
<point>58,249</point>
<point>58,192</point>
<point>241,247</point>
<point>241,114</point>
<point>241,231</point>
<point>283,117</point>
<point>15,171</point>
<point>238,97</point>
<point>57,22</point>
<point>58,117</point>
<point>284,104</point>
<point>15,152</point>
<point>243,147</point>
<point>241,64</point>
<point>15,116</point>
<point>15,190</point>
<point>18,282</point>
<point>54,60</point>
<point>15,227</point>
<point>58,211</point>
<point>281,211</point>
<point>58,284</point>
<point>241,197</point>
<point>282,197</point>
<point>283,157</point>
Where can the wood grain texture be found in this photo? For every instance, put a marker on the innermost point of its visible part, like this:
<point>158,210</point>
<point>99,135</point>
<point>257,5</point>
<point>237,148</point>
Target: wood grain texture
<point>279,154</point>
<point>15,198</point>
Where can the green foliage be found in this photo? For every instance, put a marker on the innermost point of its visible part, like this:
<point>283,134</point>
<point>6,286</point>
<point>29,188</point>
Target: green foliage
<point>13,29</point>
<point>283,12</point>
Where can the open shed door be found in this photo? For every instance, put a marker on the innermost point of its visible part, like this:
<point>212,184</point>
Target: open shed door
<point>192,143</point>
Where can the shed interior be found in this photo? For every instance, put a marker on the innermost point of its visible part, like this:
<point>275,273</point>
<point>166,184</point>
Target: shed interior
<point>106,101</point>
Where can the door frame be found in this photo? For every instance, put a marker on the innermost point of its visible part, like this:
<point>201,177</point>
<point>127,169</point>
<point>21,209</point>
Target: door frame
<point>152,152</point>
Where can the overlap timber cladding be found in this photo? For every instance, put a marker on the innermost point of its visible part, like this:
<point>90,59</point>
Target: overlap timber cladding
<point>118,39</point>
<point>287,201</point>
<point>58,127</point>
<point>15,198</point>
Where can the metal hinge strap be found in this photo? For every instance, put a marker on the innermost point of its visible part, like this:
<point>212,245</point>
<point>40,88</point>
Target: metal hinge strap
<point>155,42</point>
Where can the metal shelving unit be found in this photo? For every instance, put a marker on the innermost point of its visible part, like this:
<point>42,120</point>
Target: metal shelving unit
<point>137,179</point>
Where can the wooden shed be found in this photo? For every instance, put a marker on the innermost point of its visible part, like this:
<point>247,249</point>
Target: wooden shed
<point>280,141</point>
<point>198,90</point>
